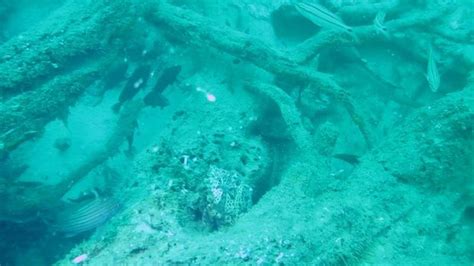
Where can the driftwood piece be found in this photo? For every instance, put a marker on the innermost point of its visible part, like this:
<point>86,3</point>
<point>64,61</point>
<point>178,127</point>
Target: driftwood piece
<point>316,180</point>
<point>194,29</point>
<point>71,32</point>
<point>22,202</point>
<point>290,115</point>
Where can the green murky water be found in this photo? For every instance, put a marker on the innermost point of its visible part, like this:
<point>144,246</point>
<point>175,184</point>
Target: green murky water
<point>236,132</point>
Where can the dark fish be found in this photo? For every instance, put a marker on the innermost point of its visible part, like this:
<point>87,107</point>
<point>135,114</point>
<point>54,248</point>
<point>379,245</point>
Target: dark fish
<point>62,144</point>
<point>4,155</point>
<point>155,99</point>
<point>168,76</point>
<point>350,158</point>
<point>115,75</point>
<point>84,217</point>
<point>137,81</point>
<point>130,139</point>
<point>11,171</point>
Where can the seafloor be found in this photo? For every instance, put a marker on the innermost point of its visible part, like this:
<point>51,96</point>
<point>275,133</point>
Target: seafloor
<point>229,132</point>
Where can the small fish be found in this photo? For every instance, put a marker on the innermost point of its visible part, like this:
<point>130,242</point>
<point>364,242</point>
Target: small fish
<point>321,16</point>
<point>130,139</point>
<point>83,217</point>
<point>137,81</point>
<point>432,73</point>
<point>379,20</point>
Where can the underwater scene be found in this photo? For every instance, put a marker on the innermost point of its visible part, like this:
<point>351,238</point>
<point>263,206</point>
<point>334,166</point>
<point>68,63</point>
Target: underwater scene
<point>236,132</point>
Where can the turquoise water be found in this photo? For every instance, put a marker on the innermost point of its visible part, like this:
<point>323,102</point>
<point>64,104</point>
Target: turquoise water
<point>236,132</point>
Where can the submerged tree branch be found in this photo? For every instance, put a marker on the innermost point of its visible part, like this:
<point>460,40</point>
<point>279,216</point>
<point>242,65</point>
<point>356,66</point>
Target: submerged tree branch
<point>290,115</point>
